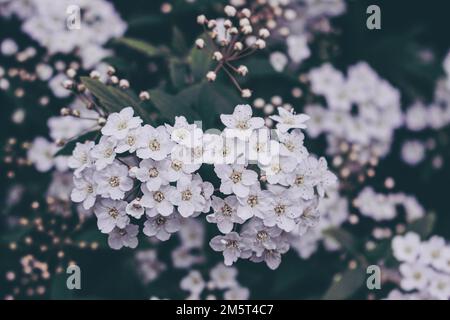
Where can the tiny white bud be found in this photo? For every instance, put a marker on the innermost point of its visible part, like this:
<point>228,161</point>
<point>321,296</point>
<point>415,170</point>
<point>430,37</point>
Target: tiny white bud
<point>211,76</point>
<point>111,70</point>
<point>212,24</point>
<point>230,11</point>
<point>269,109</point>
<point>217,56</point>
<point>213,34</point>
<point>244,22</point>
<point>233,31</point>
<point>246,12</point>
<point>246,93</point>
<point>227,24</point>
<point>95,74</point>
<point>124,84</point>
<point>201,19</point>
<point>67,84</point>
<point>259,103</point>
<point>71,73</point>
<point>238,46</point>
<point>114,80</point>
<point>144,95</point>
<point>242,70</point>
<point>200,43</point>
<point>260,44</point>
<point>264,33</point>
<point>247,29</point>
<point>101,121</point>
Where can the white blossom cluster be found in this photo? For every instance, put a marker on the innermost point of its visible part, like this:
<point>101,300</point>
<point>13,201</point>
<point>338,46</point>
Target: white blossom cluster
<point>424,268</point>
<point>362,109</point>
<point>46,22</point>
<point>334,212</point>
<point>138,170</point>
<point>382,207</point>
<point>222,279</point>
<point>295,22</point>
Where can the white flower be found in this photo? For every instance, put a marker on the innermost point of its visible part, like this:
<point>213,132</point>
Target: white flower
<point>135,208</point>
<point>188,196</point>
<point>406,248</point>
<point>309,217</point>
<point>253,204</point>
<point>282,210</point>
<point>162,227</point>
<point>232,246</point>
<point>81,157</point>
<point>193,283</point>
<point>153,143</point>
<point>431,251</point>
<point>85,189</point>
<point>324,177</point>
<point>415,276</point>
<point>225,214</point>
<point>278,60</point>
<point>272,257</point>
<point>126,237</point>
<point>41,154</point>
<point>288,120</point>
<point>159,201</point>
<point>279,170</point>
<point>207,192</point>
<point>302,179</point>
<point>192,234</point>
<point>240,124</point>
<point>236,293</point>
<point>440,286</point>
<point>104,152</point>
<point>235,179</point>
<point>223,277</point>
<point>261,148</point>
<point>261,237</point>
<point>298,48</point>
<point>153,173</point>
<point>110,214</point>
<point>129,143</point>
<point>113,181</point>
<point>291,145</point>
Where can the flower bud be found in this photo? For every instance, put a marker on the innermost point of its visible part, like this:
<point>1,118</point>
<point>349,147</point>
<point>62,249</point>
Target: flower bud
<point>144,96</point>
<point>217,56</point>
<point>260,44</point>
<point>201,19</point>
<point>230,11</point>
<point>264,33</point>
<point>238,46</point>
<point>242,70</point>
<point>211,76</point>
<point>246,93</point>
<point>200,43</point>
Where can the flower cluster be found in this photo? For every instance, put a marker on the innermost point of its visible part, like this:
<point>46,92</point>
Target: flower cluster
<point>424,268</point>
<point>381,207</point>
<point>46,22</point>
<point>222,279</point>
<point>362,110</point>
<point>231,40</point>
<point>138,170</point>
<point>292,22</point>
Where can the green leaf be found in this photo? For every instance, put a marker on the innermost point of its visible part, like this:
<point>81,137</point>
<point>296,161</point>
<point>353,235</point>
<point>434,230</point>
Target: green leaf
<point>178,73</point>
<point>69,146</point>
<point>200,63</point>
<point>423,226</point>
<point>171,106</point>
<point>178,43</point>
<point>216,99</point>
<point>143,47</point>
<point>115,99</point>
<point>345,286</point>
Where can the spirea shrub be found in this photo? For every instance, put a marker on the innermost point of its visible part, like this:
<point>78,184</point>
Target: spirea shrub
<point>261,191</point>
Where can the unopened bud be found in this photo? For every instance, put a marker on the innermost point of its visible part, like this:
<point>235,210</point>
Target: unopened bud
<point>211,76</point>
